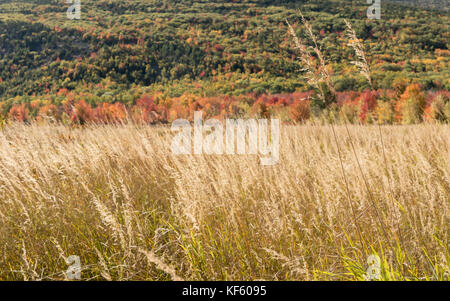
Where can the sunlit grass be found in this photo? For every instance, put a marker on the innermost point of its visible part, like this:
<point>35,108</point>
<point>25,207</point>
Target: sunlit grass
<point>118,198</point>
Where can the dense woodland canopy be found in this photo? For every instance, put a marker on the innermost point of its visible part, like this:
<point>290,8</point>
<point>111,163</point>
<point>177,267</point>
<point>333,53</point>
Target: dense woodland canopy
<point>434,4</point>
<point>121,50</point>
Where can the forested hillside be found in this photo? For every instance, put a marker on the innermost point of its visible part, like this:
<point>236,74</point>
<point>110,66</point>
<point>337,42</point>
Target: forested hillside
<point>119,50</point>
<point>433,4</point>
<point>224,140</point>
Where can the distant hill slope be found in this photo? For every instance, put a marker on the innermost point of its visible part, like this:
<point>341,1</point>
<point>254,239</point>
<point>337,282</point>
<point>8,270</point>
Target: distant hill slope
<point>237,47</point>
<point>433,4</point>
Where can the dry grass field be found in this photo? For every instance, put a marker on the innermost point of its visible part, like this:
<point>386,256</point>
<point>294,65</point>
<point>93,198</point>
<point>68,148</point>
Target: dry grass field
<point>116,197</point>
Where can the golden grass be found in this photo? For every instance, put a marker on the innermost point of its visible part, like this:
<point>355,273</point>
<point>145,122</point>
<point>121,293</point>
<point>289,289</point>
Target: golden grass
<point>118,198</point>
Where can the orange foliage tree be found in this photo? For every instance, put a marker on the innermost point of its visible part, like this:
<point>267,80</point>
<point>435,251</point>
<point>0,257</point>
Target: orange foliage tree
<point>411,105</point>
<point>19,112</point>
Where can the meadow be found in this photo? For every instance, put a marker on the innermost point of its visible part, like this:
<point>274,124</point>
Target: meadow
<point>116,196</point>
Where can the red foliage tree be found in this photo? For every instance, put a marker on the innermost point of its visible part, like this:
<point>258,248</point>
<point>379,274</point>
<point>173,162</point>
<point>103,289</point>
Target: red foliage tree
<point>81,113</point>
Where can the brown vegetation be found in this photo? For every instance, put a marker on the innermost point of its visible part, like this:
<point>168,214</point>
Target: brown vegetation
<point>115,196</point>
